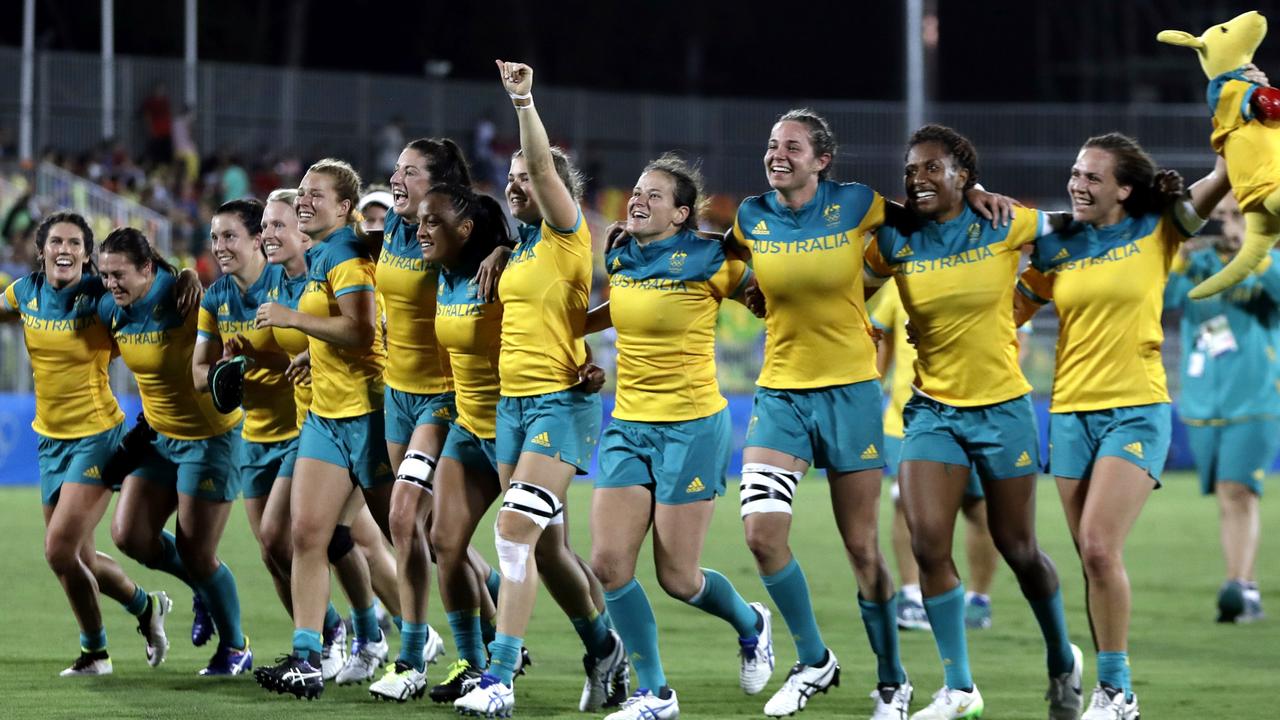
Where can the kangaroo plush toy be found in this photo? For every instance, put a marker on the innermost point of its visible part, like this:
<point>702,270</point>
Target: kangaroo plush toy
<point>1246,133</point>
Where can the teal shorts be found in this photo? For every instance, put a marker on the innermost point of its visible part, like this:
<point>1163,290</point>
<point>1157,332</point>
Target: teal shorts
<point>1238,452</point>
<point>893,454</point>
<point>680,462</point>
<point>79,460</point>
<point>1139,434</point>
<point>261,463</point>
<point>836,428</point>
<point>406,411</point>
<point>470,449</point>
<point>564,424</point>
<point>997,441</point>
<point>355,443</point>
<point>201,469</point>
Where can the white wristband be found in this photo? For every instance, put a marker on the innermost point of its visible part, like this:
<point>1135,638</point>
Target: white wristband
<point>526,96</point>
<point>524,107</point>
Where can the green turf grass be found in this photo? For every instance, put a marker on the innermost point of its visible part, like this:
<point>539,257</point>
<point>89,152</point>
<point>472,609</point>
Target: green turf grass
<point>1184,665</point>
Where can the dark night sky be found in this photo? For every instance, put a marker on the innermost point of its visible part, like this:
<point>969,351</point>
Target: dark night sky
<point>989,50</point>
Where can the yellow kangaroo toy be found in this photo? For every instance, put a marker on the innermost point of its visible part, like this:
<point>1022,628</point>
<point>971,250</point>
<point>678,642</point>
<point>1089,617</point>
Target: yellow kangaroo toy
<point>1245,133</point>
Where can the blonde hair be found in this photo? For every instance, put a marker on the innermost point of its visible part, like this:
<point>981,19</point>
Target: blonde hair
<point>288,196</point>
<point>570,175</point>
<point>346,181</point>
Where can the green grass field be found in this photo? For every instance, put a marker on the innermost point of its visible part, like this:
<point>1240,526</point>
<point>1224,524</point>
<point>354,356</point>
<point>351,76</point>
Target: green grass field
<point>1184,665</point>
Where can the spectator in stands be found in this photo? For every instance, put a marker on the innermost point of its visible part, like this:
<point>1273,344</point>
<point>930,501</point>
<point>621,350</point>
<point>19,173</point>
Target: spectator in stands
<point>157,114</point>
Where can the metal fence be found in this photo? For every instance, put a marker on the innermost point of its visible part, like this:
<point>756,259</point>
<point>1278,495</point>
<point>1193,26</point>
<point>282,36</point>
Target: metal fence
<point>259,111</point>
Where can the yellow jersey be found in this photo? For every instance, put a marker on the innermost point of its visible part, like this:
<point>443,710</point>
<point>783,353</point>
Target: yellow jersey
<point>1108,287</point>
<point>544,292</point>
<point>344,382</point>
<point>888,314</point>
<point>808,263</point>
<point>270,411</point>
<point>70,349</point>
<point>470,331</point>
<point>664,298</point>
<point>956,280</point>
<point>156,343</point>
<point>1250,145</point>
<point>407,285</point>
<point>294,342</point>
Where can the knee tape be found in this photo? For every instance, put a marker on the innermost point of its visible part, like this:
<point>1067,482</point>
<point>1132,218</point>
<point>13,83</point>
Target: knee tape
<point>766,488</point>
<point>418,469</point>
<point>340,544</point>
<point>536,503</point>
<point>513,557</point>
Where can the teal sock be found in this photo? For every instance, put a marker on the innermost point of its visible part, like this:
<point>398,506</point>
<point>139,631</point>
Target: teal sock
<point>718,597</point>
<point>493,583</point>
<point>307,643</point>
<point>169,561</point>
<point>413,637</point>
<point>465,625</point>
<point>790,592</point>
<point>594,634</point>
<point>138,603</point>
<point>95,641</point>
<point>946,615</point>
<point>224,606</point>
<point>398,622</point>
<point>606,618</point>
<point>332,618</point>
<point>1053,625</point>
<point>1113,669</point>
<point>881,621</point>
<point>504,655</point>
<point>365,622</point>
<point>488,631</point>
<point>638,629</point>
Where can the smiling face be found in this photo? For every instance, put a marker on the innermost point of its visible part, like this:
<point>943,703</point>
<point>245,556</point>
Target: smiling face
<point>652,213</point>
<point>409,184</point>
<point>1096,195</point>
<point>789,160</point>
<point>234,248</point>
<point>64,254</point>
<point>281,238</point>
<point>934,186</point>
<point>440,234</point>
<point>127,282</point>
<point>320,210</point>
<point>520,194</point>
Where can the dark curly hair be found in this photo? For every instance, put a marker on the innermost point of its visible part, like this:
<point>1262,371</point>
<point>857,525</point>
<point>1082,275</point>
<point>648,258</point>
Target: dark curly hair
<point>66,216</point>
<point>959,147</point>
<point>1136,169</point>
<point>820,135</point>
<point>490,224</point>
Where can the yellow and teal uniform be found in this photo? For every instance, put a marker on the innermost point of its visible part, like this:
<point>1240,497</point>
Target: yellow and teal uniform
<point>294,342</point>
<point>344,425</point>
<point>1109,393</point>
<point>1252,148</point>
<point>195,444</point>
<point>544,292</point>
<point>270,434</point>
<point>1230,398</point>
<point>670,430</point>
<point>77,418</point>
<point>971,404</point>
<point>469,329</point>
<point>419,383</point>
<point>818,398</point>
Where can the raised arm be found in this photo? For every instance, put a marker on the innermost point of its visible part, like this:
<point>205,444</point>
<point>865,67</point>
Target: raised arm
<point>554,199</point>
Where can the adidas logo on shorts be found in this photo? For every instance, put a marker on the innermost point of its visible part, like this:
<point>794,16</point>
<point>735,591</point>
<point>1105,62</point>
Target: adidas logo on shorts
<point>1134,448</point>
<point>542,439</point>
<point>93,473</point>
<point>1023,460</point>
<point>207,485</point>
<point>696,486</point>
<point>441,413</point>
<point>871,453</point>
